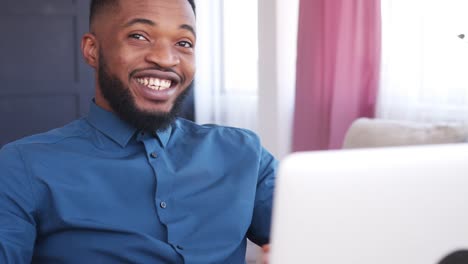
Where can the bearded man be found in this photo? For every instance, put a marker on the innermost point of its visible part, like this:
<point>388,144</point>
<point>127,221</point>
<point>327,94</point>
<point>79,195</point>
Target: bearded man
<point>131,182</point>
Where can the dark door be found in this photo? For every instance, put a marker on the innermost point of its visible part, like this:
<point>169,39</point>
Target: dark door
<point>44,82</point>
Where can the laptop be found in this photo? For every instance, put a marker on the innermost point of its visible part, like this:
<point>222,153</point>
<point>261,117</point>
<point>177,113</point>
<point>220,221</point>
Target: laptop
<point>399,205</point>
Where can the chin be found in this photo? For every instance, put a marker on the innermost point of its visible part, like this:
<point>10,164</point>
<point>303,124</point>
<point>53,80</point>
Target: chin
<point>155,109</point>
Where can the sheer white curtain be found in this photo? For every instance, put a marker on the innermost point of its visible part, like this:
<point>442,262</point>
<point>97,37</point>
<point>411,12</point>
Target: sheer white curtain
<point>226,82</point>
<point>246,58</point>
<point>424,62</point>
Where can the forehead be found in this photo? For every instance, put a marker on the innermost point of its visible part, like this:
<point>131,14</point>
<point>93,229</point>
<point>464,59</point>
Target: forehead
<point>175,11</point>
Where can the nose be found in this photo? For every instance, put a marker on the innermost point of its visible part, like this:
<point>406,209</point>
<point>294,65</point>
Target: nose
<point>163,55</point>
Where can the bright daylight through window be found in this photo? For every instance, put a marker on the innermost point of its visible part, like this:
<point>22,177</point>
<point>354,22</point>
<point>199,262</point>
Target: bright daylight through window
<point>227,62</point>
<point>424,62</point>
<point>240,46</point>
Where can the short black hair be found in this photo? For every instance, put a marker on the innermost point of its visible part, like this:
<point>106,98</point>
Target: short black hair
<point>97,5</point>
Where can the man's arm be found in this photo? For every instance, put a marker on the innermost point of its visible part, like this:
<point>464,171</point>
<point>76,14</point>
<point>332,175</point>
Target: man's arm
<point>259,231</point>
<point>17,225</point>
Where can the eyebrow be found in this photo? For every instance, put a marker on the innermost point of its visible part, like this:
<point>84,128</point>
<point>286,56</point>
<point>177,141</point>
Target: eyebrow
<point>189,28</point>
<point>152,23</point>
<point>140,21</point>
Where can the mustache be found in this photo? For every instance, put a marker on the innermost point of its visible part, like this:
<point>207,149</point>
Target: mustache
<point>156,68</point>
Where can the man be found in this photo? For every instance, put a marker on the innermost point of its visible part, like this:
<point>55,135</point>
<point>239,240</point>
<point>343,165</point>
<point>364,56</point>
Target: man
<point>130,183</point>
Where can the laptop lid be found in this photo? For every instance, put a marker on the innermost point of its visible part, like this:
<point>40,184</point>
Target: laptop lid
<point>404,205</point>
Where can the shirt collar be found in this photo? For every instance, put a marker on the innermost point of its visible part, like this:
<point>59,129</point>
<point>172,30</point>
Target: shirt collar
<point>117,129</point>
<point>164,136</point>
<point>110,125</point>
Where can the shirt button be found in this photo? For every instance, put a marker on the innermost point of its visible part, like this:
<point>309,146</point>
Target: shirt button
<point>163,205</point>
<point>154,155</point>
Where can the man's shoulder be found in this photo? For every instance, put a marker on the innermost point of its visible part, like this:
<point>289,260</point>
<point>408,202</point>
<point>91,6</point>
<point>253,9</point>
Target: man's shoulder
<point>226,132</point>
<point>75,128</point>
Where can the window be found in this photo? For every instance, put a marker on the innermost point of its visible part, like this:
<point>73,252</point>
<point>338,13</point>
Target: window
<point>227,62</point>
<point>240,47</point>
<point>424,62</point>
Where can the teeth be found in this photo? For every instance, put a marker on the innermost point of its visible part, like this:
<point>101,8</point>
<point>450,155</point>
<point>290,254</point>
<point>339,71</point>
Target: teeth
<point>155,83</point>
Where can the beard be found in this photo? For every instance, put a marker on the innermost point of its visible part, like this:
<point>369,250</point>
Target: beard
<point>123,103</point>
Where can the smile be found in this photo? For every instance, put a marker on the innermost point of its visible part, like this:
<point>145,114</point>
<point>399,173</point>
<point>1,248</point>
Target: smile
<point>155,83</point>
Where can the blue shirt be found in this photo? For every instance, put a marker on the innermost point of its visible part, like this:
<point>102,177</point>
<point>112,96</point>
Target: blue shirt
<point>98,191</point>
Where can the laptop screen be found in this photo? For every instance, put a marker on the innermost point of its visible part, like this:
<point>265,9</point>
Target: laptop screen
<point>367,206</point>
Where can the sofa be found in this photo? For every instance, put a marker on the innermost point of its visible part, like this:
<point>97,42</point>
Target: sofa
<point>372,133</point>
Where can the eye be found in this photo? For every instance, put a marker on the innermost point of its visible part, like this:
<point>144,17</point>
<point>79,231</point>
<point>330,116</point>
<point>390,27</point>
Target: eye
<point>185,44</point>
<point>138,37</point>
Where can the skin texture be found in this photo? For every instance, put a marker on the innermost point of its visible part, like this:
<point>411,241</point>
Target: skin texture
<point>142,39</point>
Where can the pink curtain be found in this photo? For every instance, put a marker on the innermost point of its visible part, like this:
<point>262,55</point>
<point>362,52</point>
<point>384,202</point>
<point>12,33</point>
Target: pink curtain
<point>337,69</point>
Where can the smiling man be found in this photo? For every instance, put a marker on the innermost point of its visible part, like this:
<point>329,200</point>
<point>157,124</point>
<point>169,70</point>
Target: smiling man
<point>143,53</point>
<point>131,182</point>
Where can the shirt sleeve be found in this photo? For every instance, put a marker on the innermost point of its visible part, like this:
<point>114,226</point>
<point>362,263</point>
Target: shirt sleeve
<point>259,231</point>
<point>17,224</point>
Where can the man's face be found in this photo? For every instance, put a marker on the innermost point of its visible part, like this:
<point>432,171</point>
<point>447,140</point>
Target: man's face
<point>147,48</point>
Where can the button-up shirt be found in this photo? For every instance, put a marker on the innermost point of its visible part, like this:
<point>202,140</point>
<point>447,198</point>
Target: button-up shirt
<point>99,191</point>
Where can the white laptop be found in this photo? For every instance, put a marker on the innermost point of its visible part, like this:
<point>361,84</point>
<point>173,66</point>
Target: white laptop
<point>400,205</point>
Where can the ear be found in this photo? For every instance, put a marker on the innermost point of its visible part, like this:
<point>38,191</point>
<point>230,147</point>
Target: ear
<point>89,49</point>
